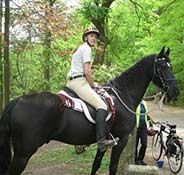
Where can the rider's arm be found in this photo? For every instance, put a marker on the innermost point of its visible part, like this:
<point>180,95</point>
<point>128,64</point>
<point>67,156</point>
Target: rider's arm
<point>88,74</point>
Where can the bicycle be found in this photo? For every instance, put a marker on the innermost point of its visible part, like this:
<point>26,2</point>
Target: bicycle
<point>172,147</point>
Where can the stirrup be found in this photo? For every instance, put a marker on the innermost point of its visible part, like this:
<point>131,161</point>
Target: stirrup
<point>104,144</point>
<point>114,139</point>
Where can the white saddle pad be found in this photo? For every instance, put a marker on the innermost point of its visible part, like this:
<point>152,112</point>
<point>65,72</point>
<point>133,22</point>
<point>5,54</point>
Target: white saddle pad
<point>79,105</point>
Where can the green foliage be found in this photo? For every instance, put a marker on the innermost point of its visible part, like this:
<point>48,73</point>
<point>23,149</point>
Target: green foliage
<point>93,9</point>
<point>80,164</point>
<point>103,73</point>
<point>169,31</point>
<point>142,28</point>
<point>27,68</point>
<point>134,30</point>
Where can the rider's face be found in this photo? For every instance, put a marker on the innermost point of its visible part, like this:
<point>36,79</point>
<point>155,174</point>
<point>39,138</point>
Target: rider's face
<point>92,38</point>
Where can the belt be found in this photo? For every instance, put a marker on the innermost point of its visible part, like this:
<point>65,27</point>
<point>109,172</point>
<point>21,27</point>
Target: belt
<point>76,76</point>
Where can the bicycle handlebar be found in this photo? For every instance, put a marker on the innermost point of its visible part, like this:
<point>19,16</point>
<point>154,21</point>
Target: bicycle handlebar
<point>166,123</point>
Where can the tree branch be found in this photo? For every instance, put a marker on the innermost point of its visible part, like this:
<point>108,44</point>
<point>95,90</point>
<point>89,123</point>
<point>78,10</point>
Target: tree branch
<point>164,8</point>
<point>107,3</point>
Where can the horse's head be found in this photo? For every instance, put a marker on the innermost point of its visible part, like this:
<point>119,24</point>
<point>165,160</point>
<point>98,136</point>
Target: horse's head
<point>163,76</point>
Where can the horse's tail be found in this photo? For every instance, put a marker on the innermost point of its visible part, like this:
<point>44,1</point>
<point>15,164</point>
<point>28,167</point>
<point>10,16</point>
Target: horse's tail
<point>5,146</point>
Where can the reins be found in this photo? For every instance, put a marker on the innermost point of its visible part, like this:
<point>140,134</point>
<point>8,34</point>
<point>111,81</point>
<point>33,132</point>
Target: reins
<point>156,73</point>
<point>129,109</point>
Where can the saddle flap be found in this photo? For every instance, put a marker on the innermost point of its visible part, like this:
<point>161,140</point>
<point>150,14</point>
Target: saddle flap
<point>71,100</point>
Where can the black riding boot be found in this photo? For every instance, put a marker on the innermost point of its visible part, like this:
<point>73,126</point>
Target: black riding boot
<point>103,144</point>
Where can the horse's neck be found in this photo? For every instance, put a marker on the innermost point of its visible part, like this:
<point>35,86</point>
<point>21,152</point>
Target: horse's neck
<point>134,82</point>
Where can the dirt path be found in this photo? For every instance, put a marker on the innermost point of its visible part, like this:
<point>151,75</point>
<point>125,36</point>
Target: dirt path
<point>173,115</point>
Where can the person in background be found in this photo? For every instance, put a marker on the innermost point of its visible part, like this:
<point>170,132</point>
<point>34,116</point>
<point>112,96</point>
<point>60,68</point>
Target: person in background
<point>80,80</point>
<point>142,121</point>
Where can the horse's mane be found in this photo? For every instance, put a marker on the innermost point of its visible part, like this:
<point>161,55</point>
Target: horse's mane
<point>127,76</point>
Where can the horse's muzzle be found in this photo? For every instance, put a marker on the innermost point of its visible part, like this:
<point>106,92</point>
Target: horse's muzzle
<point>172,92</point>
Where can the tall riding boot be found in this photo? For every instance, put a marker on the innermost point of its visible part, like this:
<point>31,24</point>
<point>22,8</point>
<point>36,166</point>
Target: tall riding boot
<point>103,144</point>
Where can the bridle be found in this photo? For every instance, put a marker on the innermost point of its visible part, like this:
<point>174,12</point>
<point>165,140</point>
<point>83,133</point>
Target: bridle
<point>158,74</point>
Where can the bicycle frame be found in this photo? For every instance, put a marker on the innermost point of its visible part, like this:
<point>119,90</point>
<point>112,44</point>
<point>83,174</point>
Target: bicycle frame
<point>172,146</point>
<point>163,143</point>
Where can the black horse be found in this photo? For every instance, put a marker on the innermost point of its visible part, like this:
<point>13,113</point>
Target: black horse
<point>32,120</point>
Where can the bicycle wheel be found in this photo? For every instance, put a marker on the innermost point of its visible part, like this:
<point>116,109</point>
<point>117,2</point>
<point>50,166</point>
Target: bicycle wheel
<point>175,161</point>
<point>157,146</point>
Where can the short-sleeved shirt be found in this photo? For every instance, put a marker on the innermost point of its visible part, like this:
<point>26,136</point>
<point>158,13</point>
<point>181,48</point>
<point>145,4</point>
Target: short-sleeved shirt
<point>82,55</point>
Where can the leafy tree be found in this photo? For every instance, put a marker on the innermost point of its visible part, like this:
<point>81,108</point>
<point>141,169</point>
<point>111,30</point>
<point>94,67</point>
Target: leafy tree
<point>47,43</point>
<point>130,30</point>
<point>54,22</point>
<point>97,12</point>
<point>168,30</point>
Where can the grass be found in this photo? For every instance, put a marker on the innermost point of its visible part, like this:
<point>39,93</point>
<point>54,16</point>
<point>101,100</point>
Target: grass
<point>78,164</point>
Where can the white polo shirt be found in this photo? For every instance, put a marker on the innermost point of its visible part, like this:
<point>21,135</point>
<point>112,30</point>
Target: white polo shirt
<point>82,55</point>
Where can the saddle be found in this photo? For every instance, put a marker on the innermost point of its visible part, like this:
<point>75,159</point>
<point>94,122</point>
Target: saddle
<point>72,100</point>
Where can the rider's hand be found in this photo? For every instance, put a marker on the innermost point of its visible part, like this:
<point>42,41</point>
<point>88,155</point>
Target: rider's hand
<point>95,85</point>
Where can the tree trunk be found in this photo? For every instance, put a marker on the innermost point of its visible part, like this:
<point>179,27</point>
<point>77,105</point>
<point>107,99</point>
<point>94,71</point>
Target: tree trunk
<point>100,20</point>
<point>46,54</point>
<point>47,45</point>
<point>103,41</point>
<point>6,54</point>
<point>100,53</point>
<point>1,60</point>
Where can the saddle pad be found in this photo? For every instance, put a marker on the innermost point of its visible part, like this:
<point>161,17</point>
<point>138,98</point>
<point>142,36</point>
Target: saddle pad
<point>79,105</point>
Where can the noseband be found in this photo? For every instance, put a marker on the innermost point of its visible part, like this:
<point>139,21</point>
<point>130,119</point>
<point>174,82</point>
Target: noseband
<point>158,73</point>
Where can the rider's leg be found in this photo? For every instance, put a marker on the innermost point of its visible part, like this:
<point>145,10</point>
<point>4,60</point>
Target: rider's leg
<point>81,87</point>
<point>101,129</point>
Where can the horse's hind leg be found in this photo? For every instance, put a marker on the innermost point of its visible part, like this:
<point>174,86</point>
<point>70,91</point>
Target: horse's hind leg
<point>18,164</point>
<point>97,162</point>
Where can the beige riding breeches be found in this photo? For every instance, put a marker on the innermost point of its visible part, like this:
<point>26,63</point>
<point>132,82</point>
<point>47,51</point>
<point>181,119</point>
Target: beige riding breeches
<point>82,88</point>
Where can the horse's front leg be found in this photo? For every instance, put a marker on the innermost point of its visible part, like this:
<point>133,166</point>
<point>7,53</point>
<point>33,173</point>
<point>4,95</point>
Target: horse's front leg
<point>97,161</point>
<point>115,155</point>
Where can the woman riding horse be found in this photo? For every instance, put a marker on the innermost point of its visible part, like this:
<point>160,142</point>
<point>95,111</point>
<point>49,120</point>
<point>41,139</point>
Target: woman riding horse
<point>81,82</point>
<point>32,120</point>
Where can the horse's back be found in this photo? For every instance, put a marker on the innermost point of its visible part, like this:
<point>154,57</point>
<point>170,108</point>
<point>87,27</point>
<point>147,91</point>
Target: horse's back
<point>35,107</point>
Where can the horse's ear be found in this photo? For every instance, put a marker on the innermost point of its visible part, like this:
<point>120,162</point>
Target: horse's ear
<point>162,51</point>
<point>168,52</point>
